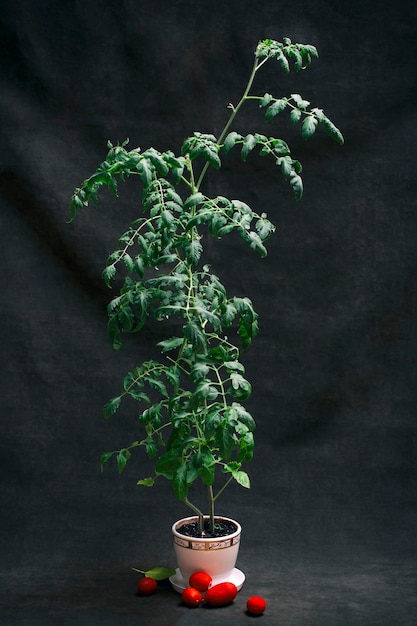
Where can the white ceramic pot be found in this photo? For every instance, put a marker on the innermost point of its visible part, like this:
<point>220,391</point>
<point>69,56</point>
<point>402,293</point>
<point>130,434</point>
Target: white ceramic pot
<point>215,556</point>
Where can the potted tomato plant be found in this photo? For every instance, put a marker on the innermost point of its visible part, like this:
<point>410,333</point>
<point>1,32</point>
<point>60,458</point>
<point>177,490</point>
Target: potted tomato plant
<point>193,421</point>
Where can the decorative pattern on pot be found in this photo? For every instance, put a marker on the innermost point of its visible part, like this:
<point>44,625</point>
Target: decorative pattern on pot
<point>208,545</point>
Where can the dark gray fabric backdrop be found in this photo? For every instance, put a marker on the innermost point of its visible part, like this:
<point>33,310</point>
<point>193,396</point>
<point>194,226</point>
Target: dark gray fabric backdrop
<point>330,521</point>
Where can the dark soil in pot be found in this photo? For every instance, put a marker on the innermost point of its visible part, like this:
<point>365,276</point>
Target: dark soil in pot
<point>222,528</point>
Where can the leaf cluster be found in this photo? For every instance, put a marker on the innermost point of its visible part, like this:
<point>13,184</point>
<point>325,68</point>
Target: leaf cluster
<point>191,398</point>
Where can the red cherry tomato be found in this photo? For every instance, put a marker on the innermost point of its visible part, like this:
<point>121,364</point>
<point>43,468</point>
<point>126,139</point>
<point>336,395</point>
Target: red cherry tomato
<point>191,597</point>
<point>256,605</point>
<point>221,594</point>
<point>147,586</point>
<point>200,581</point>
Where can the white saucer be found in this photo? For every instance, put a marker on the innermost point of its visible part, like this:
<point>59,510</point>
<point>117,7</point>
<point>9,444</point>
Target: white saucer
<point>236,576</point>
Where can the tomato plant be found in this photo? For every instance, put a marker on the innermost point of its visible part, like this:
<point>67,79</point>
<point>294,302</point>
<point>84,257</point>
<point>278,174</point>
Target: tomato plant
<point>194,394</point>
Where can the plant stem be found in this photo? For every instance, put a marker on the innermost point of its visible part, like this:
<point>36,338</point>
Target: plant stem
<point>226,484</point>
<point>235,111</point>
<point>211,508</point>
<point>199,514</point>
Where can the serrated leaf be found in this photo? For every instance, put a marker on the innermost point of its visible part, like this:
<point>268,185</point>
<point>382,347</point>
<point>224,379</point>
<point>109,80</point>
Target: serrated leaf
<point>265,100</point>
<point>193,200</point>
<point>332,130</point>
<point>248,145</point>
<point>231,140</point>
<point>276,107</point>
<point>212,157</point>
<point>297,186</point>
<point>158,385</point>
<point>234,366</point>
<point>193,250</point>
<point>140,396</point>
<point>228,314</point>
<point>283,61</point>
<point>112,406</point>
<point>195,336</point>
<point>180,482</point>
<point>146,170</point>
<point>199,371</point>
<point>299,101</point>
<point>170,344</point>
<point>309,126</point>
<point>108,274</point>
<point>295,116</point>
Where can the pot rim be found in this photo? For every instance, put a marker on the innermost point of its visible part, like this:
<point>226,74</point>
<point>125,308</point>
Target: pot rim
<point>193,518</point>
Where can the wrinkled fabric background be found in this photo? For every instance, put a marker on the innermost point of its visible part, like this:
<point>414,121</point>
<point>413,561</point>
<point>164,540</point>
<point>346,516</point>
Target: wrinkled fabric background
<point>330,522</point>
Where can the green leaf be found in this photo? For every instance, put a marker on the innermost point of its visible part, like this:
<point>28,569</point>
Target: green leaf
<point>248,145</point>
<point>332,130</point>
<point>241,388</point>
<point>108,274</point>
<point>199,371</point>
<point>180,482</point>
<point>151,448</point>
<point>299,101</point>
<point>139,395</point>
<point>195,336</point>
<point>105,457</point>
<point>234,366</point>
<point>265,100</point>
<point>204,391</point>
<point>231,140</point>
<point>170,344</point>
<point>244,416</point>
<point>146,482</point>
<point>146,170</point>
<point>248,320</point>
<point>160,573</point>
<point>309,126</point>
<point>297,185</point>
<point>242,478</point>
<point>264,227</point>
<point>228,314</point>
<point>193,251</point>
<point>276,107</point>
<point>295,116</point>
<point>279,146</point>
<point>225,441</point>
<point>212,157</point>
<point>193,200</point>
<point>122,458</point>
<point>283,61</point>
<point>112,406</point>
<point>246,446</point>
<point>168,463</point>
<point>158,385</point>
